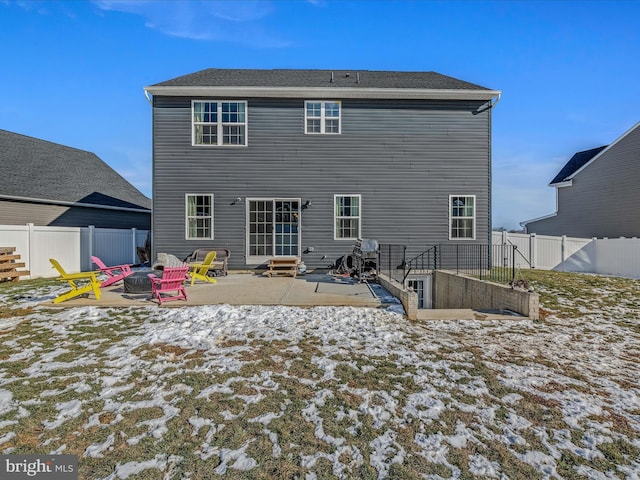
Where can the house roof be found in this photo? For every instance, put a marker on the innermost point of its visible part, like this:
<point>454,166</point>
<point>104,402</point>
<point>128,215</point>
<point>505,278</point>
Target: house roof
<point>332,82</point>
<point>40,170</point>
<point>575,163</point>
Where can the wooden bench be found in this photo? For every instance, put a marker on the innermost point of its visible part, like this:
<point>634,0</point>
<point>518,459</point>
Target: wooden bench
<point>287,266</point>
<point>8,265</point>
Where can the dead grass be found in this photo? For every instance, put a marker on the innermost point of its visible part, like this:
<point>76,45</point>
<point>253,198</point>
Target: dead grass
<point>273,393</point>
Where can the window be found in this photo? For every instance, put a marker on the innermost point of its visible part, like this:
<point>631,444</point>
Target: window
<point>199,216</point>
<point>219,123</point>
<point>462,217</point>
<point>347,214</point>
<point>321,117</point>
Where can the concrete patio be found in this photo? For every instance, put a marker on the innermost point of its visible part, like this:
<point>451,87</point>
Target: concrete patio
<point>312,289</point>
<point>250,289</point>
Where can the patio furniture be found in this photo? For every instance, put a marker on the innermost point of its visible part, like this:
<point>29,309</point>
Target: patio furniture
<point>219,265</point>
<point>73,280</point>
<point>114,274</point>
<point>139,282</point>
<point>287,266</point>
<point>199,271</point>
<point>172,280</point>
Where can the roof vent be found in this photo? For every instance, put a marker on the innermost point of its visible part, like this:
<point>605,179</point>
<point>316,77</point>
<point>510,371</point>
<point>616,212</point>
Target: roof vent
<point>358,77</point>
<point>331,81</point>
<point>346,75</point>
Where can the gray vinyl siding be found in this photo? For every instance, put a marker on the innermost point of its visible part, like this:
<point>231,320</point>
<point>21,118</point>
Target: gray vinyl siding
<point>603,198</point>
<point>21,213</point>
<point>403,157</point>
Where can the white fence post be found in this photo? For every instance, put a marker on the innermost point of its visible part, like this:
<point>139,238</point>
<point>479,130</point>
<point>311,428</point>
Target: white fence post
<point>532,249</point>
<point>30,246</point>
<point>133,245</point>
<point>92,232</point>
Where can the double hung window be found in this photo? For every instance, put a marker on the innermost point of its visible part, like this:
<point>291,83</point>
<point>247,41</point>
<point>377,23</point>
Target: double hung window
<point>219,123</point>
<point>347,217</point>
<point>199,216</point>
<point>322,117</point>
<point>462,217</point>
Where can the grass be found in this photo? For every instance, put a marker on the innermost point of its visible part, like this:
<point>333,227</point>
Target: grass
<point>296,407</point>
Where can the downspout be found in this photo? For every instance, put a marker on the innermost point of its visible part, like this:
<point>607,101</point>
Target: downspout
<point>497,100</point>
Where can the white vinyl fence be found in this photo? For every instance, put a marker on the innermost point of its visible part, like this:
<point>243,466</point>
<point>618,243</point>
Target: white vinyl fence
<point>71,246</point>
<point>609,256</point>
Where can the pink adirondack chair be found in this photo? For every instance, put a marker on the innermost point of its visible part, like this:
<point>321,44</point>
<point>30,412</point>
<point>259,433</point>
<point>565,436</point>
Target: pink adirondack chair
<point>172,280</point>
<point>114,274</point>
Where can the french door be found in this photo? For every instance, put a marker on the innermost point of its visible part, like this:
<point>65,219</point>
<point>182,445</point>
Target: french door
<point>273,228</point>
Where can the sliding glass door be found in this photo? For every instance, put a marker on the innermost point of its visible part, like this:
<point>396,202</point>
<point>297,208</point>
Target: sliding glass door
<point>273,228</point>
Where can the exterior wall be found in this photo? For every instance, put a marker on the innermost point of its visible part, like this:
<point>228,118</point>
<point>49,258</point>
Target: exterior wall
<point>20,213</point>
<point>603,198</point>
<point>403,157</point>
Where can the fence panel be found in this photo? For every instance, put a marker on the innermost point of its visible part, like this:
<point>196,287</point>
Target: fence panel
<point>547,252</point>
<point>610,256</point>
<point>71,246</point>
<point>113,246</point>
<point>618,256</point>
<point>521,241</point>
<point>61,243</point>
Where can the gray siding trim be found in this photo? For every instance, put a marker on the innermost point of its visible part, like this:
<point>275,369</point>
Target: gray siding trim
<point>403,157</point>
<point>21,213</point>
<point>72,204</point>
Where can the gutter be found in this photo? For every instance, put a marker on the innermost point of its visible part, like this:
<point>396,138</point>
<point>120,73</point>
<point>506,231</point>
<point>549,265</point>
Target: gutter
<point>73,204</point>
<point>323,92</point>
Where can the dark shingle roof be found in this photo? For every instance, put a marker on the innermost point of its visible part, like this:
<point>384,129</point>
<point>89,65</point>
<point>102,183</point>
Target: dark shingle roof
<point>216,77</point>
<point>34,168</point>
<point>576,163</point>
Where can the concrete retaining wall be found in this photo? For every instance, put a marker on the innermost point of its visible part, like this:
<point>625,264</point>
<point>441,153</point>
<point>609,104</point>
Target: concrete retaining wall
<point>409,299</point>
<point>458,291</point>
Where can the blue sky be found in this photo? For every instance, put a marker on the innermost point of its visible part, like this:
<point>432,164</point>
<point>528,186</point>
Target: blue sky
<point>73,72</point>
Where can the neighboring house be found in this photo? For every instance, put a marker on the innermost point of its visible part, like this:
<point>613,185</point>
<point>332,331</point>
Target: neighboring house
<point>46,183</point>
<point>597,193</point>
<point>304,162</point>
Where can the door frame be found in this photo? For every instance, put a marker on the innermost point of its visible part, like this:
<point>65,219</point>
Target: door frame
<point>260,259</point>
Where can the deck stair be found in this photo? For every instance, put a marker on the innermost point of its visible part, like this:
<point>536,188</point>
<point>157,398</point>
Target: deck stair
<point>9,265</point>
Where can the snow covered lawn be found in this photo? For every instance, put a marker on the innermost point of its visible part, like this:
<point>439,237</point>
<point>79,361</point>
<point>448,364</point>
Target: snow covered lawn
<point>282,392</point>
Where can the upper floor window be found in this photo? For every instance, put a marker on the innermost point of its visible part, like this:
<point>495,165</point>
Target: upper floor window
<point>321,117</point>
<point>347,215</point>
<point>219,122</point>
<point>199,216</point>
<point>462,217</point>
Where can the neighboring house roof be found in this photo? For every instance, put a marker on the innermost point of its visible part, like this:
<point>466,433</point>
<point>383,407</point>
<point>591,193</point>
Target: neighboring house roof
<point>34,169</point>
<point>294,83</point>
<point>575,163</point>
